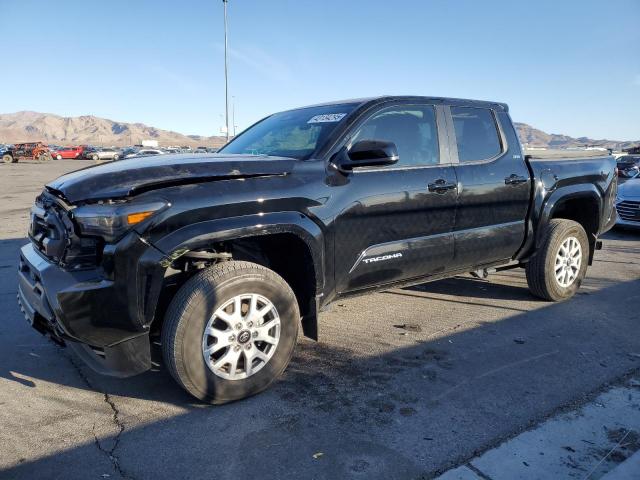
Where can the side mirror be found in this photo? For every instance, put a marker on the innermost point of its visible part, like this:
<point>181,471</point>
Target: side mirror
<point>368,153</point>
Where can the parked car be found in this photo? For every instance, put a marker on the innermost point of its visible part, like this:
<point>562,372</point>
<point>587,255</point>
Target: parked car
<point>88,151</point>
<point>628,202</point>
<point>220,259</point>
<point>27,151</point>
<point>172,150</point>
<point>53,149</point>
<point>628,166</point>
<point>205,150</point>
<point>145,152</point>
<point>68,153</point>
<point>106,154</point>
<point>129,152</point>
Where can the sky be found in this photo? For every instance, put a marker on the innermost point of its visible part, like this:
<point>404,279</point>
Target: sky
<point>570,67</point>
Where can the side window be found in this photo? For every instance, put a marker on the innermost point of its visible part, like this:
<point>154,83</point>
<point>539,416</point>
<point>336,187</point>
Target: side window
<point>412,128</point>
<point>476,133</point>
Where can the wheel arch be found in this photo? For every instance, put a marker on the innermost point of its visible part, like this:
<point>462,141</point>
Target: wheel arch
<point>580,203</point>
<point>289,243</point>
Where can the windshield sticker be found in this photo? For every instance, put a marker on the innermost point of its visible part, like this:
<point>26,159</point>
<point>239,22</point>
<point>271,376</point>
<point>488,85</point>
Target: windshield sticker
<point>327,117</point>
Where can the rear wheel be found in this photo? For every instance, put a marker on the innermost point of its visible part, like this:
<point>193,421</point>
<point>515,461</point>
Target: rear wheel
<point>44,157</point>
<point>116,157</point>
<point>96,158</point>
<point>558,268</point>
<point>7,158</point>
<point>230,331</point>
<point>58,157</point>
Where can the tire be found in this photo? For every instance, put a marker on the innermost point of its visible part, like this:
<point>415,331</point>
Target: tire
<point>541,269</point>
<point>115,158</point>
<point>58,157</point>
<point>8,158</point>
<point>198,303</point>
<point>96,158</point>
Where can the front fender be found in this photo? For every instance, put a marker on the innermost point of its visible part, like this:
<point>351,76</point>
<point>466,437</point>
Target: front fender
<point>203,234</point>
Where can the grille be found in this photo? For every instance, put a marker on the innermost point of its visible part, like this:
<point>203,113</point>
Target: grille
<point>52,232</point>
<point>629,211</point>
<point>48,232</point>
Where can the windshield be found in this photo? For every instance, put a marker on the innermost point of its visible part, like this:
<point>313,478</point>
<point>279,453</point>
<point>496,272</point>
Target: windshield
<point>294,134</point>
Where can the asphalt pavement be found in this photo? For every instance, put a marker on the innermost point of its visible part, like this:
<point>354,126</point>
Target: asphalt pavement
<point>403,384</point>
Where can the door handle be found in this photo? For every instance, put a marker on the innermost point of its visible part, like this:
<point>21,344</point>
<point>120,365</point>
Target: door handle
<point>441,186</point>
<point>514,179</point>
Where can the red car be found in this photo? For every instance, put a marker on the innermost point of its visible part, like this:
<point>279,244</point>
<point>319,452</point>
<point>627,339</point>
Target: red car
<point>68,152</point>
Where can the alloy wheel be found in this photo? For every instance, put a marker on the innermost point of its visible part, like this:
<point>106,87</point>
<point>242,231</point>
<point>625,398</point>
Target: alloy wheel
<point>568,262</point>
<point>241,336</point>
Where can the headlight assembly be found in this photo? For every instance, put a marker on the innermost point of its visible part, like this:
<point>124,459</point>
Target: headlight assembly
<point>112,220</point>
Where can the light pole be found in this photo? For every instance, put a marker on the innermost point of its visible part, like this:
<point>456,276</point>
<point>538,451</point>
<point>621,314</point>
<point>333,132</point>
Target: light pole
<point>226,75</point>
<point>233,114</point>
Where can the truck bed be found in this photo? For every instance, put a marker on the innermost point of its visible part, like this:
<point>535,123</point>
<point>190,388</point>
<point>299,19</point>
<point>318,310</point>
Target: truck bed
<point>564,154</point>
<point>560,175</point>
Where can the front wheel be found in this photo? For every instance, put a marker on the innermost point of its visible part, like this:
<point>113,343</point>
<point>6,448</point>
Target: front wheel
<point>96,158</point>
<point>230,331</point>
<point>8,158</point>
<point>58,157</point>
<point>560,264</point>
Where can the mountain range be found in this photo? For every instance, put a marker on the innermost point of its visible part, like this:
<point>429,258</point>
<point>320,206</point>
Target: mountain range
<point>532,137</point>
<point>88,129</point>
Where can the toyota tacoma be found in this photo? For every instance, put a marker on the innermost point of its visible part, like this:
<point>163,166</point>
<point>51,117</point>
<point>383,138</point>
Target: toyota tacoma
<point>220,258</point>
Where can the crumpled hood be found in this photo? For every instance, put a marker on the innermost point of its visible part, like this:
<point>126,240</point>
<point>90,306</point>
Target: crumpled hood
<point>131,176</point>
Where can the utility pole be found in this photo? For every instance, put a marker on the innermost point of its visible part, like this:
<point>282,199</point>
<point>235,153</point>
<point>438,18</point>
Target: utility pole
<point>226,67</point>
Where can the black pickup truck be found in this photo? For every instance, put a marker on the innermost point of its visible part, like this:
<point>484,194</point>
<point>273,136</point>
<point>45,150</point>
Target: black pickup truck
<point>220,258</point>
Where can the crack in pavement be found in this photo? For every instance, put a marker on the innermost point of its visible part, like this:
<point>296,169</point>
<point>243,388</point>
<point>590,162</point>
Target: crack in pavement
<point>111,452</point>
<point>115,419</point>
<point>478,472</point>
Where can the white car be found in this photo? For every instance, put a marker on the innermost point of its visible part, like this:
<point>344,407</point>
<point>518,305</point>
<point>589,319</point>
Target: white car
<point>145,152</point>
<point>628,202</point>
<point>106,154</point>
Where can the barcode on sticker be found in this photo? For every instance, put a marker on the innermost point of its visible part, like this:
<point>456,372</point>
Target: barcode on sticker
<point>327,117</point>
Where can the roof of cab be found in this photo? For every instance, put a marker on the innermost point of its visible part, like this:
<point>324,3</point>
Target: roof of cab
<point>388,98</point>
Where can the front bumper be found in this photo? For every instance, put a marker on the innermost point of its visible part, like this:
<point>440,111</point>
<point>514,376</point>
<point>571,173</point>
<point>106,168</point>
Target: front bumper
<point>86,310</point>
<point>628,212</point>
<point>627,224</point>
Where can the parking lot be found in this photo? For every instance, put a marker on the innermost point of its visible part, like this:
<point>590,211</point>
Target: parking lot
<point>403,384</point>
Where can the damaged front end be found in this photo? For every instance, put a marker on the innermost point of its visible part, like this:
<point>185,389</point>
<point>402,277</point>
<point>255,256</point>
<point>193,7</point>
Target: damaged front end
<point>91,276</point>
<point>95,293</point>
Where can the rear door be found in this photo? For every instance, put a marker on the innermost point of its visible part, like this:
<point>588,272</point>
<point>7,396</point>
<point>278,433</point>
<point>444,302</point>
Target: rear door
<point>494,185</point>
<point>398,221</point>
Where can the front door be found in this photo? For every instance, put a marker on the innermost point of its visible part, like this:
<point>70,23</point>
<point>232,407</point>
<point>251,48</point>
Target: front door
<point>398,221</point>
